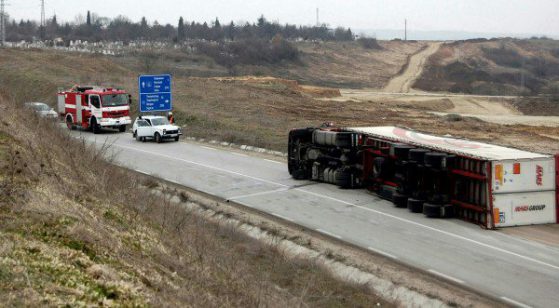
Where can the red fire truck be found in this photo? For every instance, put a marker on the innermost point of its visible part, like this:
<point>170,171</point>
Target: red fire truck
<point>95,108</point>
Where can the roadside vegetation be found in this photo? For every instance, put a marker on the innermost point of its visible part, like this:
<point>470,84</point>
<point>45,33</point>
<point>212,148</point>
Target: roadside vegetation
<point>495,67</point>
<point>75,230</point>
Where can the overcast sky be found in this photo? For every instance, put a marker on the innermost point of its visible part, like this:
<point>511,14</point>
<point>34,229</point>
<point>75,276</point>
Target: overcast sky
<point>496,16</point>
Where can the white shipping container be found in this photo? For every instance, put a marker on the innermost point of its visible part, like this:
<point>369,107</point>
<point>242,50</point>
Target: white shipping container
<point>521,187</point>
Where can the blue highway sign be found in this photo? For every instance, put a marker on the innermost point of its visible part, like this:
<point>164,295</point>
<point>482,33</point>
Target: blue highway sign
<point>155,93</point>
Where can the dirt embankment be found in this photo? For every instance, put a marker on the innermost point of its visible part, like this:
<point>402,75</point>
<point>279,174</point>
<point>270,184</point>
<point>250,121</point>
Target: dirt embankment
<point>75,230</point>
<point>494,67</point>
<point>414,68</point>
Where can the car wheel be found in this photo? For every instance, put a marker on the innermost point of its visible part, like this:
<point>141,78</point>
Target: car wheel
<point>157,138</point>
<point>138,138</point>
<point>177,138</point>
<point>134,134</point>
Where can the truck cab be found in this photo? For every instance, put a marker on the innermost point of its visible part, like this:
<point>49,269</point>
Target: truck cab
<point>95,108</point>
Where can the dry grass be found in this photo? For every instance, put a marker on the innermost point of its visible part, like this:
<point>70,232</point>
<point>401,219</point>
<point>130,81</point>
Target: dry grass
<point>77,231</point>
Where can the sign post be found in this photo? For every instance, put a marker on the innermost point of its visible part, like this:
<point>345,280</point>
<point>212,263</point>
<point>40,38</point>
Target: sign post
<point>155,93</point>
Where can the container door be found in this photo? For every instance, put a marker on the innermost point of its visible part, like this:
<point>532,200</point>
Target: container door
<point>524,192</point>
<point>517,209</point>
<point>79,109</point>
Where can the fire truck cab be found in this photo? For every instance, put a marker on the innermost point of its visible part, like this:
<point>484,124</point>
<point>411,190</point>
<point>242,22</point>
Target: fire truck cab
<point>95,108</point>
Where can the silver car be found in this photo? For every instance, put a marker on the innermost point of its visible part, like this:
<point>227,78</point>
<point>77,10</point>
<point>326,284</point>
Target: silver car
<point>42,109</point>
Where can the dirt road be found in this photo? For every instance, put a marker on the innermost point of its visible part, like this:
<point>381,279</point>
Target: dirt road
<point>403,83</point>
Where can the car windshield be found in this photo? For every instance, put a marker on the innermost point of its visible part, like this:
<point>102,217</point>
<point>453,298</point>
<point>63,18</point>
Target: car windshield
<point>115,100</point>
<point>159,121</point>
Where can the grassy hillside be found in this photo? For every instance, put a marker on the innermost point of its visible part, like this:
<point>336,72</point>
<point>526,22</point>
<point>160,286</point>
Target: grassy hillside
<point>494,67</point>
<point>75,230</point>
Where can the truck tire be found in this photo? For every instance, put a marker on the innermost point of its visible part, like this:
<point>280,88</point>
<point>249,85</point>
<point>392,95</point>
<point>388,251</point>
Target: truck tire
<point>69,123</point>
<point>401,151</point>
<point>435,160</point>
<point>157,138</point>
<point>122,128</point>
<point>95,127</point>
<point>432,210</point>
<point>399,200</point>
<point>177,138</point>
<point>415,205</point>
<point>417,155</point>
<point>448,211</point>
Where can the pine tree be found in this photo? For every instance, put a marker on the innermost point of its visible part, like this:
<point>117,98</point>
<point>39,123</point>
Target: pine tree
<point>180,30</point>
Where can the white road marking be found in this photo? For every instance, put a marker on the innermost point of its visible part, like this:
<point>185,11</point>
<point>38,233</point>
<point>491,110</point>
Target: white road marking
<point>283,217</point>
<point>208,148</point>
<point>357,206</point>
<point>512,301</point>
<point>446,276</point>
<point>273,161</point>
<point>329,234</point>
<point>203,165</point>
<point>142,172</point>
<point>258,194</point>
<point>386,254</point>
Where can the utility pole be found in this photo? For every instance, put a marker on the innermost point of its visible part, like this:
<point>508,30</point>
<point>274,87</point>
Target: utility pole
<point>43,20</point>
<point>405,29</point>
<point>3,23</point>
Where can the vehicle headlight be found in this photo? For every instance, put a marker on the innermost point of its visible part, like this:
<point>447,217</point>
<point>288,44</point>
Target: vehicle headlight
<point>164,132</point>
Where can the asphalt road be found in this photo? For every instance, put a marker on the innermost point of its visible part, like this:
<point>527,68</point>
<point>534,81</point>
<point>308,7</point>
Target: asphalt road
<point>520,272</point>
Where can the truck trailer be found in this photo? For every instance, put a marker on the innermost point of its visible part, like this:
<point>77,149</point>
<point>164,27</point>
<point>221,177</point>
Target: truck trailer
<point>95,108</point>
<point>441,177</point>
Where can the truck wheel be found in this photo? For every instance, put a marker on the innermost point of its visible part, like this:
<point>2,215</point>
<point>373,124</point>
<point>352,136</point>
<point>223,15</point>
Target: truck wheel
<point>95,127</point>
<point>415,206</point>
<point>417,155</point>
<point>69,123</point>
<point>432,210</point>
<point>447,211</point>
<point>177,138</point>
<point>399,200</point>
<point>157,138</point>
<point>401,151</point>
<point>122,128</point>
<point>435,160</point>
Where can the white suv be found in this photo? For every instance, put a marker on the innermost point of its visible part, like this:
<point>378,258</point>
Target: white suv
<point>156,127</point>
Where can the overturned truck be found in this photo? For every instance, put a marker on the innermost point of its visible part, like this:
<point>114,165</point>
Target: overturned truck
<point>440,177</point>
